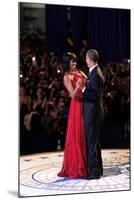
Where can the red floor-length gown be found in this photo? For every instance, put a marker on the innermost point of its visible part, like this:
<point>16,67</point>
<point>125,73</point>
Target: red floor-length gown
<point>74,163</point>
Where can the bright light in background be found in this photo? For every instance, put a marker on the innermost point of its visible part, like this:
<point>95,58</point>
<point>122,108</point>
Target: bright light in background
<point>33,58</point>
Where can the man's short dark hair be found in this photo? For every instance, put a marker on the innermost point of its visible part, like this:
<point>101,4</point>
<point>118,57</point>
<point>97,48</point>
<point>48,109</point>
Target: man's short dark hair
<point>93,55</point>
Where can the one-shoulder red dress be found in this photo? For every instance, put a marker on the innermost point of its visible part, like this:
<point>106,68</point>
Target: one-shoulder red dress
<point>74,162</point>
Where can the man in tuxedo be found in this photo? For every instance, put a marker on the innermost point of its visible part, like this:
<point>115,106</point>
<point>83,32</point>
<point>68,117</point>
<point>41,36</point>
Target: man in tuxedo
<point>93,114</point>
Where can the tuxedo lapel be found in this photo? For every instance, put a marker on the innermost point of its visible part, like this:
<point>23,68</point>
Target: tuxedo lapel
<point>89,74</point>
<point>92,72</point>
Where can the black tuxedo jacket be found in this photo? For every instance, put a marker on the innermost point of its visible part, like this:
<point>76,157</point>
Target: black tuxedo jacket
<point>93,107</point>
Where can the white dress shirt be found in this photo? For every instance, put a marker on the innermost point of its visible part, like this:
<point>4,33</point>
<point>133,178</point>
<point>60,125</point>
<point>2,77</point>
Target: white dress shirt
<point>91,68</point>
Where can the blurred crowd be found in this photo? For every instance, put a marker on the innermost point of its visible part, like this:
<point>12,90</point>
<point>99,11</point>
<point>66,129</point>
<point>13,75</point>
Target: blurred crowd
<point>44,101</point>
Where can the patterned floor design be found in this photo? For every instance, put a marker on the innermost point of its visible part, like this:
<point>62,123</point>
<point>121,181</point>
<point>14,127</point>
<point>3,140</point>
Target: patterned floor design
<point>38,175</point>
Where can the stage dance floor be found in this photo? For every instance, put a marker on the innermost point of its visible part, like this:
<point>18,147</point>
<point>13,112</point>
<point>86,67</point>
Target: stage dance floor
<point>38,174</point>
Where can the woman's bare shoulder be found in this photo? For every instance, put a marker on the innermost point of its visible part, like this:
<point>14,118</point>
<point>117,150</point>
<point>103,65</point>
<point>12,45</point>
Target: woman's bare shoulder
<point>68,76</point>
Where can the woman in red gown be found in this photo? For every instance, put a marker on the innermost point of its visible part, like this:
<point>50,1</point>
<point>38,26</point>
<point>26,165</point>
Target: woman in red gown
<point>74,163</point>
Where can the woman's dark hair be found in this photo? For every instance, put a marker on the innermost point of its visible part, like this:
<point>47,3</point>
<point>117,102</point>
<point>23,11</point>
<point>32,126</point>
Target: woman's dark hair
<point>66,58</point>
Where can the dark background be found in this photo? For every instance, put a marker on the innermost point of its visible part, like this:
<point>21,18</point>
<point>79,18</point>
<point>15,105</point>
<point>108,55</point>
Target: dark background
<point>46,32</point>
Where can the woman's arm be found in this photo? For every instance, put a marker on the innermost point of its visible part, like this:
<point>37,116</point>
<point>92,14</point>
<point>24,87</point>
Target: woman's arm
<point>44,102</point>
<point>83,74</point>
<point>29,103</point>
<point>68,85</point>
<point>35,103</point>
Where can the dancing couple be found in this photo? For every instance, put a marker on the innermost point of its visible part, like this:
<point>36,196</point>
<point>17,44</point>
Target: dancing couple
<point>82,153</point>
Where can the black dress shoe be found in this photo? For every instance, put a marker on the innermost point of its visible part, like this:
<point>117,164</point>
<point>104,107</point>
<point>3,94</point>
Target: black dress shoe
<point>93,177</point>
<point>101,172</point>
